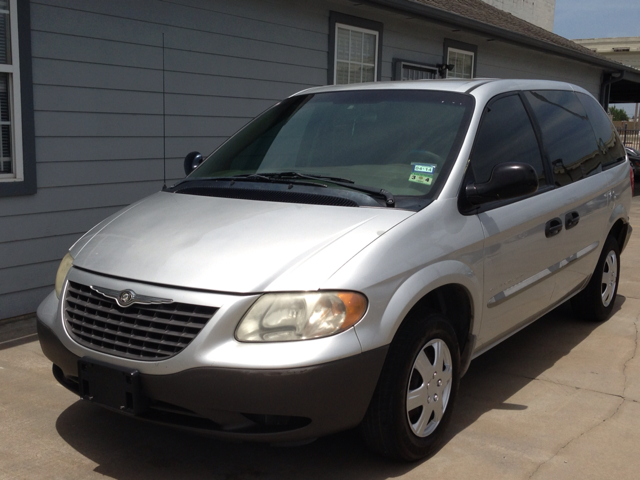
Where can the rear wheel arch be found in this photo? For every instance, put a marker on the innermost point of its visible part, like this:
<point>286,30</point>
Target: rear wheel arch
<point>619,232</point>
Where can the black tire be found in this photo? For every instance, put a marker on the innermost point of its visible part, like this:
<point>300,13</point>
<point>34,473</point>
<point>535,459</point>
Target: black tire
<point>389,426</point>
<point>596,301</point>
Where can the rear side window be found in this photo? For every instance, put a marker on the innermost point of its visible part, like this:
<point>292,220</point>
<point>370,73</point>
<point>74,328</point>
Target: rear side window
<point>567,135</point>
<point>505,135</point>
<point>606,135</point>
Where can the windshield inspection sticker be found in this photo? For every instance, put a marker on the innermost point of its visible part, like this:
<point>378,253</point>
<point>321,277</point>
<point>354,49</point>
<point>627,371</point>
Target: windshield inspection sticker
<point>422,173</point>
<point>422,168</point>
<point>419,178</point>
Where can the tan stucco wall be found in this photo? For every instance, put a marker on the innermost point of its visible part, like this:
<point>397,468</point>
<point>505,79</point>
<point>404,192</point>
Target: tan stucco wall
<point>612,48</point>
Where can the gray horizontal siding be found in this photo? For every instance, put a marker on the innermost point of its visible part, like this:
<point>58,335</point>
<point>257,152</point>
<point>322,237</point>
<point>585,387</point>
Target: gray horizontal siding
<point>78,99</point>
<point>66,124</point>
<point>107,52</point>
<point>199,105</point>
<point>77,74</point>
<point>302,15</point>
<point>178,147</point>
<point>24,301</point>
<point>91,50</point>
<point>55,149</point>
<point>507,61</point>
<point>50,149</point>
<point>28,277</point>
<point>98,100</point>
<point>86,196</point>
<point>221,65</point>
<point>84,24</point>
<point>157,15</point>
<point>38,250</point>
<point>64,174</point>
<point>236,87</point>
<point>15,229</point>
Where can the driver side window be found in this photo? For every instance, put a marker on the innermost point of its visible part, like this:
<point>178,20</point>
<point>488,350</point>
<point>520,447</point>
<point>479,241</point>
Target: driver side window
<point>505,135</point>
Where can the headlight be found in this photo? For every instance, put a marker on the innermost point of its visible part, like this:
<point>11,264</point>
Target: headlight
<point>284,317</point>
<point>63,269</point>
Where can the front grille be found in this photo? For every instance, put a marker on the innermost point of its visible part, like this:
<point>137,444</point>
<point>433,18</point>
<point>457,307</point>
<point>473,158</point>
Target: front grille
<point>141,332</point>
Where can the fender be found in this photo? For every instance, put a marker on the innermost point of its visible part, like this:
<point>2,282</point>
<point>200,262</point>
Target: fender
<point>378,333</point>
<point>619,213</point>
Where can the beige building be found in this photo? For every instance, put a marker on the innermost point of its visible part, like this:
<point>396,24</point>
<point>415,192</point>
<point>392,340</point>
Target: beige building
<point>538,12</point>
<point>625,50</point>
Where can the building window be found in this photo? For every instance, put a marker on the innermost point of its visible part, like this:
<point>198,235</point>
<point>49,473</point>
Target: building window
<point>460,59</point>
<point>11,168</point>
<point>17,143</point>
<point>354,47</point>
<point>413,71</point>
<point>356,52</point>
<point>462,64</point>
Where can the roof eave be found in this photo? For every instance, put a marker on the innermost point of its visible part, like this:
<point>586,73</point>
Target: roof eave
<point>455,20</point>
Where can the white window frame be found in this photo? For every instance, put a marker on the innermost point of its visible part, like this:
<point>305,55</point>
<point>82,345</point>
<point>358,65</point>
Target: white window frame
<point>401,65</point>
<point>335,52</point>
<point>464,52</point>
<point>15,100</point>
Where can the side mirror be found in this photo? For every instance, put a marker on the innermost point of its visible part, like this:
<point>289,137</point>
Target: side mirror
<point>191,162</point>
<point>508,180</point>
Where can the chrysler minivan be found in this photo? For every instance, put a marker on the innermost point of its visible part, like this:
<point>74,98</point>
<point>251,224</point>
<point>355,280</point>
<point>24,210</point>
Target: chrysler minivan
<point>341,260</point>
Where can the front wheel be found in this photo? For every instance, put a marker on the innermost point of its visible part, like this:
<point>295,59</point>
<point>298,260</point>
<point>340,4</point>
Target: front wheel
<point>414,398</point>
<point>596,301</point>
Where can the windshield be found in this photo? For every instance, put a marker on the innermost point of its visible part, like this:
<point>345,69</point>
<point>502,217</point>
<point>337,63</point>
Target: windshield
<point>402,141</point>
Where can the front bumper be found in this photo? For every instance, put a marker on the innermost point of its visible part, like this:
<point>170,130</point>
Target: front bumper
<point>273,405</point>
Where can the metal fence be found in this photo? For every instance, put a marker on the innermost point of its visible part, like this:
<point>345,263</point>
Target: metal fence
<point>631,138</point>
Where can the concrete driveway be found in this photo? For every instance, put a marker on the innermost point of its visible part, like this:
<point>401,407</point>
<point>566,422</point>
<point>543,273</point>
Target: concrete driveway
<point>559,400</point>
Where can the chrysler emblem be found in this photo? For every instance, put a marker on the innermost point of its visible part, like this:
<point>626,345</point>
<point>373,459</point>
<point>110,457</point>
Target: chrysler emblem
<point>125,298</point>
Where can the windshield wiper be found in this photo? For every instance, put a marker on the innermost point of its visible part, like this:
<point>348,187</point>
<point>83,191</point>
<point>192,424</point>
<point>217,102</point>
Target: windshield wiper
<point>253,177</point>
<point>306,175</point>
<point>345,182</point>
<point>298,179</point>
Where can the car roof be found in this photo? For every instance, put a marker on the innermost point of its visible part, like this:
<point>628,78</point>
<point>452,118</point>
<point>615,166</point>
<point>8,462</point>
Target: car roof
<point>478,87</point>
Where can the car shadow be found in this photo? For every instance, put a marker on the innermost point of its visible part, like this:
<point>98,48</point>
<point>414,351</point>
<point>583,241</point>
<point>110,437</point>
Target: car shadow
<point>127,449</point>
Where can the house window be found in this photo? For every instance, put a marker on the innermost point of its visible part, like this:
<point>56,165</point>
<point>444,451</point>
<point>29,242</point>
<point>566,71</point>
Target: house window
<point>413,71</point>
<point>11,167</point>
<point>356,52</point>
<point>354,49</point>
<point>462,62</point>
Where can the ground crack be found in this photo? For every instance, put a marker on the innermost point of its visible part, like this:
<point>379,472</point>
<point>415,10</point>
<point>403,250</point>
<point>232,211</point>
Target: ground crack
<point>635,352</point>
<point>576,438</point>
<point>622,400</point>
<point>548,380</point>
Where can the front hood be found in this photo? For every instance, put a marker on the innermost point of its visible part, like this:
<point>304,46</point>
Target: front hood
<point>231,245</point>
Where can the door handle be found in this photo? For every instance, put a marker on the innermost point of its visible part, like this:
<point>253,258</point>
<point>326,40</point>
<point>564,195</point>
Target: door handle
<point>571,219</point>
<point>553,227</point>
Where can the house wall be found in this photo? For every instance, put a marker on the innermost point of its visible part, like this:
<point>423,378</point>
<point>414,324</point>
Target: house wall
<point>97,84</point>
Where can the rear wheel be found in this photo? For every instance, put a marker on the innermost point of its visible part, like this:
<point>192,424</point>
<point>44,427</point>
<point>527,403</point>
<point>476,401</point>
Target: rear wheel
<point>596,301</point>
<point>414,398</point>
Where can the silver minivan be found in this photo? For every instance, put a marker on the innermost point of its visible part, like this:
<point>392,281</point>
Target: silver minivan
<point>341,260</point>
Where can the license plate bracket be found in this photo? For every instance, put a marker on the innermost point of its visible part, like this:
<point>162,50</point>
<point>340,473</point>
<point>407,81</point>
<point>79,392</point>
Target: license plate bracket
<point>111,386</point>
